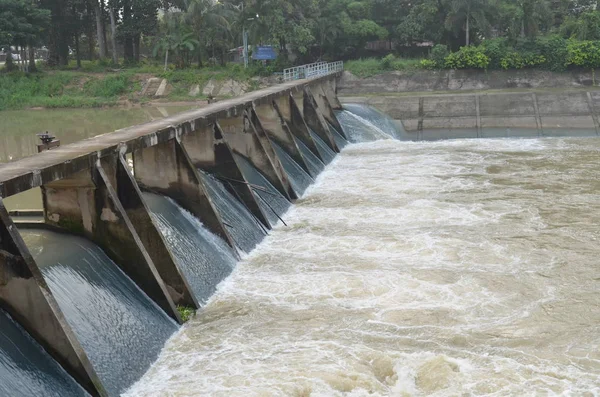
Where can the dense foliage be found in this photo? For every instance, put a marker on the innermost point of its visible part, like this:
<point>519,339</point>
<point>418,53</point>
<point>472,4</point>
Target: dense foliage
<point>484,34</point>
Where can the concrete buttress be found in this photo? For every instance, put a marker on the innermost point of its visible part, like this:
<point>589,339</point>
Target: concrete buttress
<point>209,151</point>
<point>166,168</point>
<point>86,204</point>
<point>130,196</point>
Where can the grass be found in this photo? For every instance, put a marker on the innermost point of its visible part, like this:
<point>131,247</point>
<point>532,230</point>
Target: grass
<point>186,313</point>
<point>98,84</point>
<point>369,67</point>
<point>61,89</point>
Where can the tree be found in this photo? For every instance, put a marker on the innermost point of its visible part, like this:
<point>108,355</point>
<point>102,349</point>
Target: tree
<point>176,38</point>
<point>468,14</point>
<point>100,34</point>
<point>210,22</point>
<point>22,23</point>
<point>585,27</point>
<point>138,17</point>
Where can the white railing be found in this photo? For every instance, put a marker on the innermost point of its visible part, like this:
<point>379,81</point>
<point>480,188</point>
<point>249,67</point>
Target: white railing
<point>312,70</point>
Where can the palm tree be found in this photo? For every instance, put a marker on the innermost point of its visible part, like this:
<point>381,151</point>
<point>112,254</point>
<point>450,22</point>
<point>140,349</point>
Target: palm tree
<point>209,21</point>
<point>175,40</point>
<point>465,12</point>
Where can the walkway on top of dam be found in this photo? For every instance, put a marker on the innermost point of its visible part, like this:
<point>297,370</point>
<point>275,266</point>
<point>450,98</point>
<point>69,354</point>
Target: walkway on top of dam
<point>78,153</point>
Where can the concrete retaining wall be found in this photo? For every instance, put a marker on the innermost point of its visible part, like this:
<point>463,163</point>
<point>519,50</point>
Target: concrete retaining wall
<point>462,80</point>
<point>544,113</point>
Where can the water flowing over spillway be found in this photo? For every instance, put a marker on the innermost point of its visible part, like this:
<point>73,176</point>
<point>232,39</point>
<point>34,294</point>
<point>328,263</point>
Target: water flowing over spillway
<point>204,258</point>
<point>244,228</point>
<point>376,118</point>
<point>340,141</point>
<point>325,151</point>
<point>444,268</point>
<point>26,369</point>
<point>299,179</point>
<point>315,166</point>
<point>121,330</point>
<point>271,201</point>
<point>360,129</point>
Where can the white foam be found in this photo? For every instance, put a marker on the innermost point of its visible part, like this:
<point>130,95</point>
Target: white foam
<point>412,269</point>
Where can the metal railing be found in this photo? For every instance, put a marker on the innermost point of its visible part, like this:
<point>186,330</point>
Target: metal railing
<point>312,70</point>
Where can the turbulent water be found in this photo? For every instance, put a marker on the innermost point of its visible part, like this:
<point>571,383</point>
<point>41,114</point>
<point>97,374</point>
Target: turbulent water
<point>446,268</point>
<point>203,258</point>
<point>26,369</point>
<point>120,328</point>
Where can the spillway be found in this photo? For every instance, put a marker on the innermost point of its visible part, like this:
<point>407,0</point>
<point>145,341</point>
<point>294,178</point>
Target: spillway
<point>359,129</point>
<point>314,164</point>
<point>104,274</point>
<point>377,118</point>
<point>340,141</point>
<point>244,228</point>
<point>271,201</point>
<point>299,179</point>
<point>121,330</point>
<point>26,369</point>
<point>325,151</point>
<point>204,258</point>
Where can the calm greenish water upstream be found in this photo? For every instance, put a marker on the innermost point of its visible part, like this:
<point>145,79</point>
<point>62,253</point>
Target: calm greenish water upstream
<point>19,128</point>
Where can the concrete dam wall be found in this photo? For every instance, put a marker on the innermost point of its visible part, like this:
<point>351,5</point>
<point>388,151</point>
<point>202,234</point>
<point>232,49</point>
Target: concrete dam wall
<point>94,291</point>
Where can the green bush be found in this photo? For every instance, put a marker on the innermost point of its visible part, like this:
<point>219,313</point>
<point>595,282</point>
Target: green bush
<point>388,62</point>
<point>110,86</point>
<point>515,60</point>
<point>554,49</point>
<point>364,67</point>
<point>470,57</point>
<point>428,64</point>
<point>496,50</point>
<point>584,54</point>
<point>438,55</point>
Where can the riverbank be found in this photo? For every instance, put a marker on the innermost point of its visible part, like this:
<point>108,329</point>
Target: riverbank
<point>125,87</point>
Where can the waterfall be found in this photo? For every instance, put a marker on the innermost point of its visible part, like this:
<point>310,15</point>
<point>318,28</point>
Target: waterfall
<point>203,258</point>
<point>271,201</point>
<point>324,150</point>
<point>299,179</point>
<point>315,166</point>
<point>26,369</point>
<point>358,129</point>
<point>376,118</point>
<point>120,328</point>
<point>244,228</point>
<point>340,141</point>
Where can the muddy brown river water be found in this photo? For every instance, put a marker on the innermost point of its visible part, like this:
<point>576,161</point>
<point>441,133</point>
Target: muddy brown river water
<point>465,267</point>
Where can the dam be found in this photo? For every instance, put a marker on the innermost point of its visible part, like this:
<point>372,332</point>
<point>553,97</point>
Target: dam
<point>326,253</point>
